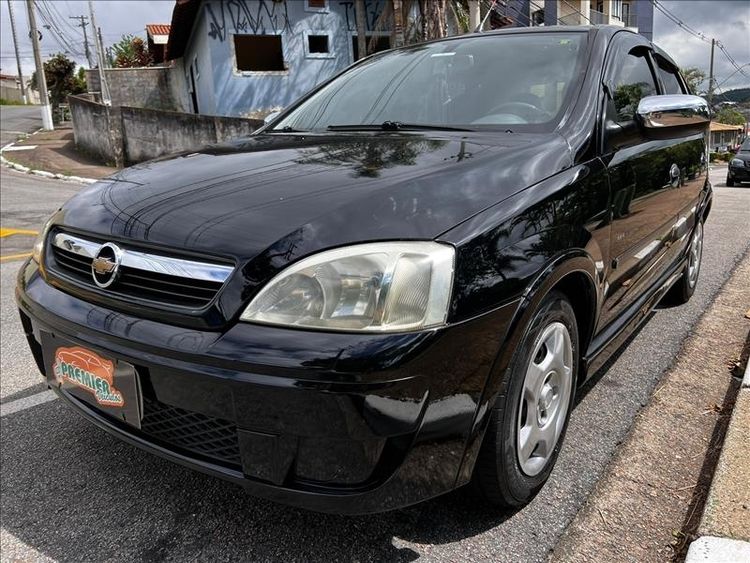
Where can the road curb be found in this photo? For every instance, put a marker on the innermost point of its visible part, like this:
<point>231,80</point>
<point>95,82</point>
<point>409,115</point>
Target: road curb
<point>709,549</point>
<point>725,526</point>
<point>43,173</point>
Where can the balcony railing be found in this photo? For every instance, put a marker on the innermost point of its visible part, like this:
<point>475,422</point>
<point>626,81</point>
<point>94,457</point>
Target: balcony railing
<point>570,19</point>
<point>597,18</point>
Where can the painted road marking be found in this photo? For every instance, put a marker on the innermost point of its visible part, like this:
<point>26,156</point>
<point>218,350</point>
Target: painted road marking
<point>5,232</point>
<point>27,402</point>
<point>14,257</point>
<point>20,148</point>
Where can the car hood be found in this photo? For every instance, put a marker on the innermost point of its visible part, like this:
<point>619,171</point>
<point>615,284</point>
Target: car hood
<point>295,194</point>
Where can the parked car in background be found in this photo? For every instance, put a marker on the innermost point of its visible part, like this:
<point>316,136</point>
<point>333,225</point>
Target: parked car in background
<point>738,170</point>
<point>396,287</point>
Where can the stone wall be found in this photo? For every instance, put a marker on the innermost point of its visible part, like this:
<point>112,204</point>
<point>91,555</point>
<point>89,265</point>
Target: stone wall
<point>127,135</point>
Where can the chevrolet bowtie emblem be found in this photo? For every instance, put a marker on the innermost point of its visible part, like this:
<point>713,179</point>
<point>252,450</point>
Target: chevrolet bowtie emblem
<point>103,265</point>
<point>106,265</point>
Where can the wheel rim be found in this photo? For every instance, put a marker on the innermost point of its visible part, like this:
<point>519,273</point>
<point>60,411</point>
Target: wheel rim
<point>695,254</point>
<point>543,408</point>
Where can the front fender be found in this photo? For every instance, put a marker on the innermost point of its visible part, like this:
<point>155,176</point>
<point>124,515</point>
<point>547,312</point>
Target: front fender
<point>575,262</point>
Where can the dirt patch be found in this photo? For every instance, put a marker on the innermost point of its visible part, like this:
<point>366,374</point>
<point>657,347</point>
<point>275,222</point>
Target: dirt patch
<point>649,504</point>
<point>56,152</point>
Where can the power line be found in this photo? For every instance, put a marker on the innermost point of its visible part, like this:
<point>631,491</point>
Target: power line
<point>697,34</point>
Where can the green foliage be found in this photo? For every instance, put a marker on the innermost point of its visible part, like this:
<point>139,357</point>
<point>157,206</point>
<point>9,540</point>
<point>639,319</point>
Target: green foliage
<point>730,116</point>
<point>694,78</point>
<point>131,52</point>
<point>722,156</point>
<point>626,100</point>
<point>61,79</point>
<point>5,102</point>
<point>80,80</point>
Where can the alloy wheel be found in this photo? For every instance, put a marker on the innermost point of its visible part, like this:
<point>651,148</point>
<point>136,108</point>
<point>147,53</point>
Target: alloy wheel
<point>545,397</point>
<point>695,254</point>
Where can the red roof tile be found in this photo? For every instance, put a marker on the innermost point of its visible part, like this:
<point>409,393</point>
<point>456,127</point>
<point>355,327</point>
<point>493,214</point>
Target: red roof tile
<point>157,28</point>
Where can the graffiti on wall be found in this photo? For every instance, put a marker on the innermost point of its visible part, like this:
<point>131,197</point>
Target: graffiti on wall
<point>373,8</point>
<point>246,16</point>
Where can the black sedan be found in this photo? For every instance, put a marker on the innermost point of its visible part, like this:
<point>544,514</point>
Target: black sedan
<point>394,288</point>
<point>738,170</point>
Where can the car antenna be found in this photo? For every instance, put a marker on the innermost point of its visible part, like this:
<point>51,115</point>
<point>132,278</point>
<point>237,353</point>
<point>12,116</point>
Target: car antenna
<point>481,23</point>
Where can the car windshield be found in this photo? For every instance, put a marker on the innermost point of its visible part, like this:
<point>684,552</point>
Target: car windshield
<point>745,147</point>
<point>516,81</point>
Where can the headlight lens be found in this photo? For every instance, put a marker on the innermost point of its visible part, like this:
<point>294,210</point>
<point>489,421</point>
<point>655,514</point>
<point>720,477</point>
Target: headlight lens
<point>377,287</point>
<point>737,162</point>
<point>38,249</point>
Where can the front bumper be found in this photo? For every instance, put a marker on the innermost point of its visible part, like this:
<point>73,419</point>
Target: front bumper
<point>739,174</point>
<point>327,421</point>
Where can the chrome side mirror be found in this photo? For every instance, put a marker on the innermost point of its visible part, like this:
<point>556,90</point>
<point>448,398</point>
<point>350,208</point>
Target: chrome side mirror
<point>673,110</point>
<point>270,117</point>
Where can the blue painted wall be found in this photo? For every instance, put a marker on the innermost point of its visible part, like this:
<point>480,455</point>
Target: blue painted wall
<point>223,90</point>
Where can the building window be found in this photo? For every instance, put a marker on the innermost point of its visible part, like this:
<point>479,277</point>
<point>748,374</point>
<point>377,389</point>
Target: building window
<point>537,17</point>
<point>317,44</point>
<point>258,53</point>
<point>316,5</point>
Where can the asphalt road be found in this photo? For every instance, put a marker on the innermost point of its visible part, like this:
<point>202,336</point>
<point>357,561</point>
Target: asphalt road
<point>16,121</point>
<point>69,491</point>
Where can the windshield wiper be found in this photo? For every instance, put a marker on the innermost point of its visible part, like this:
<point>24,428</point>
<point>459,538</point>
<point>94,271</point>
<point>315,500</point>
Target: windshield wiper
<point>394,126</point>
<point>287,129</point>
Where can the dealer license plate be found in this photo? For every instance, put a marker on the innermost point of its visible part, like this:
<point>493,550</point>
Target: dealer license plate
<point>110,385</point>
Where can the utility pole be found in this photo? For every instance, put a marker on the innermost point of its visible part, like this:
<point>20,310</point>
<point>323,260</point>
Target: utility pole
<point>361,23</point>
<point>711,78</point>
<point>41,79</point>
<point>398,24</point>
<point>83,25</point>
<point>104,53</point>
<point>474,17</point>
<point>15,46</point>
<point>106,99</point>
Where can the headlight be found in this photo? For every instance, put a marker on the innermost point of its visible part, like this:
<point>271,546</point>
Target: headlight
<point>38,249</point>
<point>738,162</point>
<point>377,287</point>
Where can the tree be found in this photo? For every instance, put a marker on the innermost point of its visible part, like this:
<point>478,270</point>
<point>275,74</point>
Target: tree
<point>434,22</point>
<point>730,116</point>
<point>694,78</point>
<point>61,80</point>
<point>131,52</point>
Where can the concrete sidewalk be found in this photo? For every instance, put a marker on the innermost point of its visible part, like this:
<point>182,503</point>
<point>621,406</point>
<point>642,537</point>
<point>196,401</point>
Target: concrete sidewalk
<point>55,152</point>
<point>649,503</point>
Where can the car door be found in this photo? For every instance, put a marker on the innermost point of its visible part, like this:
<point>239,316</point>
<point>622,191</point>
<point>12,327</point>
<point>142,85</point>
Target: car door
<point>642,175</point>
<point>688,153</point>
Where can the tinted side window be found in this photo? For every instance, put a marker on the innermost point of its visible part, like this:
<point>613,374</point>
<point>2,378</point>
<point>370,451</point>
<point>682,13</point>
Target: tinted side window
<point>669,77</point>
<point>632,81</point>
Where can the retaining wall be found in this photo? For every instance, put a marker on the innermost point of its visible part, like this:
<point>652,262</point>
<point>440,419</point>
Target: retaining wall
<point>128,135</point>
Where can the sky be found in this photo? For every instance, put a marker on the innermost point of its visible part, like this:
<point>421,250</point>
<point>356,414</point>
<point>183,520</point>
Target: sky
<point>726,20</point>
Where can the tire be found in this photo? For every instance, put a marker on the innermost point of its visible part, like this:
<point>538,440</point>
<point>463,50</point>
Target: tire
<point>730,182</point>
<point>510,470</point>
<point>683,289</point>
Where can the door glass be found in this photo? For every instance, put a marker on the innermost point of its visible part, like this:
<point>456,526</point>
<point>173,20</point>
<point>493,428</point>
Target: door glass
<point>631,82</point>
<point>669,77</point>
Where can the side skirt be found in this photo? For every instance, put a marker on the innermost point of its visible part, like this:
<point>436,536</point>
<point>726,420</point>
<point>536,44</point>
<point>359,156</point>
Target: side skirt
<point>608,341</point>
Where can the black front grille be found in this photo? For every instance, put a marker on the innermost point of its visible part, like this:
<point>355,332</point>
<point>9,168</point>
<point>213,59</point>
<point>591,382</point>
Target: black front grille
<point>210,437</point>
<point>142,284</point>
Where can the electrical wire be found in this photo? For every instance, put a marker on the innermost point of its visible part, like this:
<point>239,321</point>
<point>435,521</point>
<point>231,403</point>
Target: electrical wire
<point>699,35</point>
